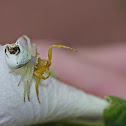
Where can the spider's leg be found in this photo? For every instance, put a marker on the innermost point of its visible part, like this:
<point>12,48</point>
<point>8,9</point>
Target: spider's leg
<point>22,75</point>
<point>29,46</point>
<point>28,83</point>
<point>57,46</point>
<point>29,43</point>
<point>25,89</point>
<point>37,91</point>
<point>30,71</point>
<point>25,83</point>
<point>34,50</point>
<point>38,74</point>
<point>39,77</point>
<point>32,68</point>
<point>30,75</point>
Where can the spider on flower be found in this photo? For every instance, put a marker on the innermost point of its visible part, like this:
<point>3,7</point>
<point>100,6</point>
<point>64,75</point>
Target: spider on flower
<point>18,56</point>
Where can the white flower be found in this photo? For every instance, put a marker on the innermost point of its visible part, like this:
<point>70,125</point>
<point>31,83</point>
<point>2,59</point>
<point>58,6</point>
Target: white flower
<point>58,101</point>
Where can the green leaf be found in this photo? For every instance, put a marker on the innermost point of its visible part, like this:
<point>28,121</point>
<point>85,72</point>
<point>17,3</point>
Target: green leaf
<point>115,114</point>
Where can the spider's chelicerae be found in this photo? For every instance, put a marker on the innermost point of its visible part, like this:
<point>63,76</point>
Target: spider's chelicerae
<point>18,56</point>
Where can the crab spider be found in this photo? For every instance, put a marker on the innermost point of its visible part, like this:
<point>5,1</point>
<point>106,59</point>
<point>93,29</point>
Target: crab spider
<point>44,65</point>
<point>17,56</point>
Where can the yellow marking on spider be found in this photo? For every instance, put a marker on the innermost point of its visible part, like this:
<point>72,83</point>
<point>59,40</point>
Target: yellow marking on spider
<point>44,65</point>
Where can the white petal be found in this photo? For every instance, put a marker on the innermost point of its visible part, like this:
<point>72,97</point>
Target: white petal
<point>58,101</point>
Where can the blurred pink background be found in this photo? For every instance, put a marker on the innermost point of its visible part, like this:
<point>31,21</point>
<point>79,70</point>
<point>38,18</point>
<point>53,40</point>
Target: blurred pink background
<point>68,21</point>
<point>96,28</point>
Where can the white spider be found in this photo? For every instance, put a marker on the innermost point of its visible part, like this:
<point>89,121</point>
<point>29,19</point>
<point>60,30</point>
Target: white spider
<point>18,56</point>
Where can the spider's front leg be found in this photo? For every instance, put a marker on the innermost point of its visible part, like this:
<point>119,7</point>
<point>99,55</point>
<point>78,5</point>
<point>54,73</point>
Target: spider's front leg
<point>57,46</point>
<point>37,91</point>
